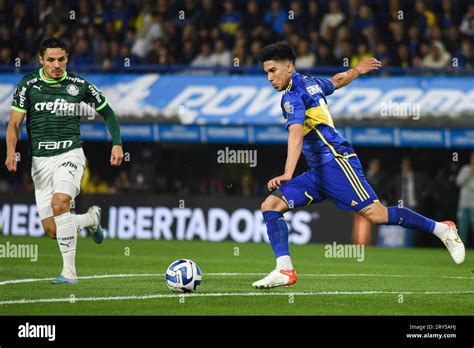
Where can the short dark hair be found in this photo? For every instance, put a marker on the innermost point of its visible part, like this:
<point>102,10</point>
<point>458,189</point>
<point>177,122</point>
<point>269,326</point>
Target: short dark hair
<point>52,42</point>
<point>277,51</point>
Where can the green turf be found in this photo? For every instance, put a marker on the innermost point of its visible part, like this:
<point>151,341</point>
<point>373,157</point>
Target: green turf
<point>397,270</point>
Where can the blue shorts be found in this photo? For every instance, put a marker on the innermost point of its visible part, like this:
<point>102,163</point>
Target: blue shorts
<point>341,180</point>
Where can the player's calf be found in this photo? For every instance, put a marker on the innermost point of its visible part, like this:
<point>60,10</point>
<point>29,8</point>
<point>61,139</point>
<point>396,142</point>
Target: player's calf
<point>49,227</point>
<point>376,213</point>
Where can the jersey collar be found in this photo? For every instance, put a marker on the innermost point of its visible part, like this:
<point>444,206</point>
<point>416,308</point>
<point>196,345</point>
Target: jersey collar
<point>45,79</point>
<point>290,84</point>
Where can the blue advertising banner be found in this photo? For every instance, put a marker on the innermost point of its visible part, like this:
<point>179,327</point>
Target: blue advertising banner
<point>251,100</point>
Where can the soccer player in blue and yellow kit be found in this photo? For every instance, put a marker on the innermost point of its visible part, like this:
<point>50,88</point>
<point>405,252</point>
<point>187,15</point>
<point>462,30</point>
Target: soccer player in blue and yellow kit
<point>334,169</point>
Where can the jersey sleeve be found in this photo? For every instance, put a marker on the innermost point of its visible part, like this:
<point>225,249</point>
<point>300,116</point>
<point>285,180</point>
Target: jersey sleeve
<point>20,97</point>
<point>94,96</point>
<point>293,108</point>
<point>326,85</point>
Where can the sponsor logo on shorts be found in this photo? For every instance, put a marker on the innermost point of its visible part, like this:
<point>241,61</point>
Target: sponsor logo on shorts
<point>68,164</point>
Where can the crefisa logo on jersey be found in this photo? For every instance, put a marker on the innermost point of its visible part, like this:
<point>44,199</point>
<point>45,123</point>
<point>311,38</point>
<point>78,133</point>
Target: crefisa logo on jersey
<point>72,90</point>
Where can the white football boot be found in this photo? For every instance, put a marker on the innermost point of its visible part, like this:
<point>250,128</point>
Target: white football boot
<point>277,277</point>
<point>454,244</point>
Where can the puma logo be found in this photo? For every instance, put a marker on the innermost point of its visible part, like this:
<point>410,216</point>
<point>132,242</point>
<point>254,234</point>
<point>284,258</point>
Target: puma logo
<point>66,244</point>
<point>38,87</point>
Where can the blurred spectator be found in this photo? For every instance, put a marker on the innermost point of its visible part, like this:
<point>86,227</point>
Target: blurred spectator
<point>221,56</point>
<point>252,17</point>
<point>298,19</point>
<point>424,17</point>
<point>83,55</point>
<point>123,183</point>
<point>84,16</point>
<point>363,53</point>
<point>190,13</point>
<point>409,187</point>
<point>382,54</point>
<point>377,178</point>
<point>467,24</point>
<point>404,57</point>
<point>365,20</point>
<point>465,181</point>
<point>333,18</point>
<point>305,59</point>
<point>276,16</point>
<point>325,56</point>
<point>315,15</point>
<point>97,186</point>
<point>150,30</point>
<point>120,16</point>
<point>159,54</point>
<point>466,55</point>
<point>438,56</point>
<point>205,58</point>
<point>209,15</point>
<point>229,21</point>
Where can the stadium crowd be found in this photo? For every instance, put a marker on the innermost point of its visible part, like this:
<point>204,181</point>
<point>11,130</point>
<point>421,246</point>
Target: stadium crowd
<point>116,35</point>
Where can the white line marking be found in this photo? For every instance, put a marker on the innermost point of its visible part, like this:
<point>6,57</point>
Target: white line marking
<point>235,294</point>
<point>226,274</point>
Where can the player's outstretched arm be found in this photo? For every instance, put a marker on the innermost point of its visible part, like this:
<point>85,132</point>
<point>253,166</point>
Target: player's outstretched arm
<point>295,144</point>
<point>346,77</point>
<point>16,118</point>
<point>116,155</point>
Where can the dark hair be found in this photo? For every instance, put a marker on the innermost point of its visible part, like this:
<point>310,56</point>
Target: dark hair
<point>52,42</point>
<point>277,51</point>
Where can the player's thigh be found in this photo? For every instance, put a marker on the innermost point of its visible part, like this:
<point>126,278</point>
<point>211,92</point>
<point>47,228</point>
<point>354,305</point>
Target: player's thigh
<point>42,176</point>
<point>344,182</point>
<point>68,171</point>
<point>301,191</point>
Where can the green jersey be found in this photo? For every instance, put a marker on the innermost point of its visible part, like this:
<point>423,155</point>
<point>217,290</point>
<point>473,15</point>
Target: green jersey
<point>53,110</point>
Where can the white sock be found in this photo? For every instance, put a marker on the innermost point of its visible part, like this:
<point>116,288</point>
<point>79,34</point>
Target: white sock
<point>441,230</point>
<point>284,262</point>
<point>67,241</point>
<point>83,220</point>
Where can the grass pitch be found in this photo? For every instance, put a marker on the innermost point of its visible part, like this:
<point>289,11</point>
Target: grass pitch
<point>127,278</point>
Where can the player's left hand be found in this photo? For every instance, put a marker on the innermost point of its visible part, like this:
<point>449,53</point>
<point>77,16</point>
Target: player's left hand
<point>368,65</point>
<point>116,156</point>
<point>275,183</point>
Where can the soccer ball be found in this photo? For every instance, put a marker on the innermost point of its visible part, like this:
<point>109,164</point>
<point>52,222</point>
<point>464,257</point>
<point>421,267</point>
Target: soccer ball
<point>183,276</point>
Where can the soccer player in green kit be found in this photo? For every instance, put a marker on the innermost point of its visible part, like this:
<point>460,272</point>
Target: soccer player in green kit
<point>50,99</point>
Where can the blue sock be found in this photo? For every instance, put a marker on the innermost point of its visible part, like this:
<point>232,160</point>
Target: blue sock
<point>409,219</point>
<point>277,230</point>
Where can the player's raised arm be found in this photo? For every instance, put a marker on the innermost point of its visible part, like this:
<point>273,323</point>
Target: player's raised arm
<point>13,130</point>
<point>346,77</point>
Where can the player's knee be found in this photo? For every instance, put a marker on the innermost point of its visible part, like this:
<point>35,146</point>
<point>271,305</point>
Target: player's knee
<point>273,203</point>
<point>60,206</point>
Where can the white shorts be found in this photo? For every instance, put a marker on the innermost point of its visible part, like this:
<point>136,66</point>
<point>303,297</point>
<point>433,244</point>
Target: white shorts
<point>61,173</point>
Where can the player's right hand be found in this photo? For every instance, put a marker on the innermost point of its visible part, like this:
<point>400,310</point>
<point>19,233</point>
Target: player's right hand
<point>11,163</point>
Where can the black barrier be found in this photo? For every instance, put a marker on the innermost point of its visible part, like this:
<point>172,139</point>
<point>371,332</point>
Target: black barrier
<point>147,216</point>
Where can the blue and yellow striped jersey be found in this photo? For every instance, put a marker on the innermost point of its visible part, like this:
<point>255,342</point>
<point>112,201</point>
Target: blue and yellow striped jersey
<point>304,102</point>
